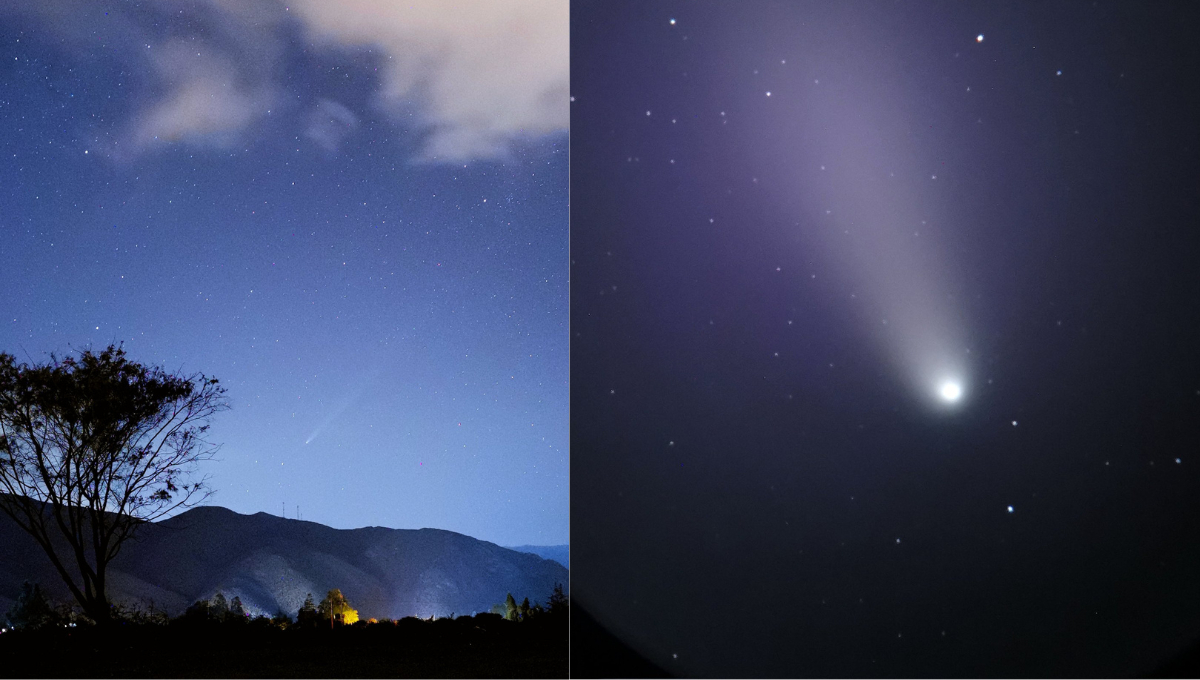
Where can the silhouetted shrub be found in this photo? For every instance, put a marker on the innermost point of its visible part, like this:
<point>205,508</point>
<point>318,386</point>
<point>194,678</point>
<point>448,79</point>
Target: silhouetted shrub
<point>138,615</point>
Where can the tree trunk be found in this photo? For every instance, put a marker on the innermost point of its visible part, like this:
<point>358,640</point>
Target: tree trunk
<point>97,609</point>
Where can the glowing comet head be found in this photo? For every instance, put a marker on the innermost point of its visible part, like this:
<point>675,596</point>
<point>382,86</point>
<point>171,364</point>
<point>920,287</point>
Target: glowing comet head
<point>950,391</point>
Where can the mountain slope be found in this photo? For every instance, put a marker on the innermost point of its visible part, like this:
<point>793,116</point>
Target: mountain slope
<point>558,553</point>
<point>271,563</point>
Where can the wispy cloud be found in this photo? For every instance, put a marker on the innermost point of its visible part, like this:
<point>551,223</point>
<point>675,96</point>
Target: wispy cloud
<point>207,98</point>
<point>485,72</point>
<point>328,123</point>
<point>471,77</point>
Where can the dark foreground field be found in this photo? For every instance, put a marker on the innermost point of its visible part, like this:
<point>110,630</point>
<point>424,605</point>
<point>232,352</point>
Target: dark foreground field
<point>464,647</point>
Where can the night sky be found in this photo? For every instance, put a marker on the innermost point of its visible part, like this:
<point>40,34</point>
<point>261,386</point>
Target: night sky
<point>884,335</point>
<point>353,214</point>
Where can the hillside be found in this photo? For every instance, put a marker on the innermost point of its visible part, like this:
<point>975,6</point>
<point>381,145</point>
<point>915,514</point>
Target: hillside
<point>271,563</point>
<point>558,553</point>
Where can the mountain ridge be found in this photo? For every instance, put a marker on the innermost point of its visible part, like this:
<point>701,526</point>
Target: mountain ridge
<point>272,563</point>
<point>557,553</point>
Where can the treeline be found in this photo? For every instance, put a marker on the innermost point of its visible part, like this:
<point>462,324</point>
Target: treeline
<point>34,611</point>
<point>510,610</point>
<point>334,610</point>
<point>218,638</point>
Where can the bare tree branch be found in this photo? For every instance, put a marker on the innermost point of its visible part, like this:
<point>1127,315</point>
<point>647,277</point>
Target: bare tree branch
<point>93,446</point>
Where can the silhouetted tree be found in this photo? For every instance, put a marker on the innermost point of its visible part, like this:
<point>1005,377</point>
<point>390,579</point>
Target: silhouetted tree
<point>31,609</point>
<point>308,612</point>
<point>558,603</point>
<point>510,608</point>
<point>237,613</point>
<point>92,447</point>
<point>523,610</point>
<point>220,607</point>
<point>335,609</point>
<point>200,610</point>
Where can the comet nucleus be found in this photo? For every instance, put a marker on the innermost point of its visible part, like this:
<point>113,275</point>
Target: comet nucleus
<point>950,391</point>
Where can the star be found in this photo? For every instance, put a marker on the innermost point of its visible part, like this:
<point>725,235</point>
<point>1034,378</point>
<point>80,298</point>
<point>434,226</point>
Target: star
<point>979,38</point>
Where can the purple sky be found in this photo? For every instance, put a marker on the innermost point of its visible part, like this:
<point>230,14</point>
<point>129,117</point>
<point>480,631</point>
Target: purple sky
<point>766,482</point>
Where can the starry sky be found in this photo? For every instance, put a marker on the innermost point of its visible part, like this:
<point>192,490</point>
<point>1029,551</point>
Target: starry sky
<point>884,330</point>
<point>355,217</point>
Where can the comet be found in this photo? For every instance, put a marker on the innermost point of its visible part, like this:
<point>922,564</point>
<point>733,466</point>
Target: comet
<point>863,195</point>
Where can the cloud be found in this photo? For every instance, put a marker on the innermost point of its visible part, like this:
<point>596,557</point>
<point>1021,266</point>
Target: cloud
<point>207,98</point>
<point>472,77</point>
<point>486,73</point>
<point>328,123</point>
